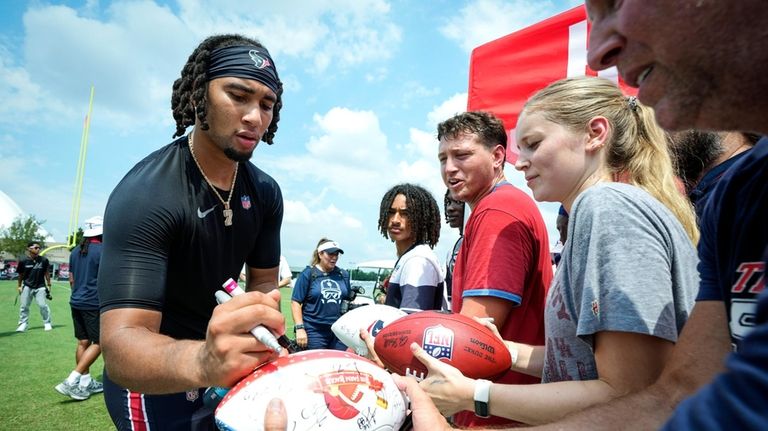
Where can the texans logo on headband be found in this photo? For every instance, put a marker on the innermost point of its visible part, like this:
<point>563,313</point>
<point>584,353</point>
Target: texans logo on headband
<point>244,61</point>
<point>258,60</point>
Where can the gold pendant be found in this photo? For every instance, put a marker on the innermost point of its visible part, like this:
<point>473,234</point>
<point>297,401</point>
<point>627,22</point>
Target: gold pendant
<point>227,217</point>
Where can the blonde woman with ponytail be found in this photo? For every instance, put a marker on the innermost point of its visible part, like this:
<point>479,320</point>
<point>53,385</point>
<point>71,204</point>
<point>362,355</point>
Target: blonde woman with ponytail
<point>627,278</point>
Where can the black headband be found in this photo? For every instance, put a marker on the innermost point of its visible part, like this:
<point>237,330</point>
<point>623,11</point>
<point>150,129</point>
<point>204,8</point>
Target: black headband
<point>244,61</point>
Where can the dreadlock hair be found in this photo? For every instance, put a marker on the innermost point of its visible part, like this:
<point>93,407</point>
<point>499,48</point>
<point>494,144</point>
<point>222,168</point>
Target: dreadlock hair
<point>192,87</point>
<point>85,242</point>
<point>487,127</point>
<point>636,148</point>
<point>424,215</point>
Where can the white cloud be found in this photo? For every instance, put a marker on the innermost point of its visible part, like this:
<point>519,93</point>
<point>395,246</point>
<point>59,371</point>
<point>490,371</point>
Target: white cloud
<point>133,53</point>
<point>452,106</point>
<point>296,212</point>
<point>350,158</point>
<point>291,83</point>
<point>332,214</point>
<point>339,33</point>
<point>23,100</point>
<point>423,144</point>
<point>481,21</point>
<point>349,137</point>
<point>333,188</point>
<point>414,90</point>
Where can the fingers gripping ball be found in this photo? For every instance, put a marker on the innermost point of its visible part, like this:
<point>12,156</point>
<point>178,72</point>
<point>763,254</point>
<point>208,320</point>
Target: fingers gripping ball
<point>458,340</point>
<point>321,389</point>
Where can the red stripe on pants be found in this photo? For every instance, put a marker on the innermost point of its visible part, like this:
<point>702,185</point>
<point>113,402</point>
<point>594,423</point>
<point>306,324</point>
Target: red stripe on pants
<point>136,411</point>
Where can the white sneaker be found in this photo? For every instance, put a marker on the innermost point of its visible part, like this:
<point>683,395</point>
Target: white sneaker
<point>76,392</point>
<point>22,327</point>
<point>62,387</point>
<point>95,387</point>
<point>48,327</point>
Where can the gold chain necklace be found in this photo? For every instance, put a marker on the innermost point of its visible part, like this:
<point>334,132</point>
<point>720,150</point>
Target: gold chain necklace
<point>227,211</point>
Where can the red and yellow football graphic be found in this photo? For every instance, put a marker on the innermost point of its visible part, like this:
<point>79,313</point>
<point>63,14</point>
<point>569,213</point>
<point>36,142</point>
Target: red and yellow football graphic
<point>325,389</point>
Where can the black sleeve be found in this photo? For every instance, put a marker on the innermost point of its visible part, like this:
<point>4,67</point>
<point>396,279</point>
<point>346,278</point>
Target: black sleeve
<point>266,253</point>
<point>134,261</point>
<point>20,270</point>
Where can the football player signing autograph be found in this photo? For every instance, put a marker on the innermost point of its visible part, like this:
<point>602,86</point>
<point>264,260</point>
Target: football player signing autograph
<point>180,223</point>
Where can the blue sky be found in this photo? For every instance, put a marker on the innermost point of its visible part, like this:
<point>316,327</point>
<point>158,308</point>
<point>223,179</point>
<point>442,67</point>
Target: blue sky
<point>366,83</point>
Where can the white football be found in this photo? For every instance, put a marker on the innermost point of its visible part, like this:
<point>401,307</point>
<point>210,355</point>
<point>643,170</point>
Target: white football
<point>321,389</point>
<point>371,317</point>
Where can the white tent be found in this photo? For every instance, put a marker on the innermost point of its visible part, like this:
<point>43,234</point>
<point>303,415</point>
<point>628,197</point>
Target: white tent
<point>9,210</point>
<point>382,263</point>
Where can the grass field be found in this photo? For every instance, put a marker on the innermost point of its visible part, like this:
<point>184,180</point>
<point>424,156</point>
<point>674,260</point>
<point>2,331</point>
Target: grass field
<point>32,363</point>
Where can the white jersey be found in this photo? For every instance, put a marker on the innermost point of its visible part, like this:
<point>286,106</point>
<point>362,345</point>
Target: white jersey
<point>416,283</point>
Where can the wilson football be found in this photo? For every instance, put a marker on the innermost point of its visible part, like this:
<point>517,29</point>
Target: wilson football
<point>321,389</point>
<point>371,317</point>
<point>453,338</point>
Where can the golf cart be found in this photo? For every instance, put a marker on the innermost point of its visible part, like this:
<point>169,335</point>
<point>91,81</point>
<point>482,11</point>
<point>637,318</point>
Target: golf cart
<point>371,289</point>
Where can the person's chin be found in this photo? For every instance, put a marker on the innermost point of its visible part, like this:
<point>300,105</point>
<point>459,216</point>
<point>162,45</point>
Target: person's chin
<point>540,196</point>
<point>673,115</point>
<point>238,156</point>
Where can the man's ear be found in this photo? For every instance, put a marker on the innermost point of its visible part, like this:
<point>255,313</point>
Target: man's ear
<point>499,155</point>
<point>598,132</point>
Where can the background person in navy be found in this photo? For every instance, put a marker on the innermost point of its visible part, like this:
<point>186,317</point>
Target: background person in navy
<point>179,224</point>
<point>84,301</point>
<point>34,282</point>
<point>702,158</point>
<point>410,217</point>
<point>317,296</point>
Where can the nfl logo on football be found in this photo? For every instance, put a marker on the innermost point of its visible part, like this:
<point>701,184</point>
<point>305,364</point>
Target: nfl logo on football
<point>438,342</point>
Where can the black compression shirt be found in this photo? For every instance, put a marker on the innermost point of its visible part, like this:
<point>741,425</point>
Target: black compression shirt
<point>165,244</point>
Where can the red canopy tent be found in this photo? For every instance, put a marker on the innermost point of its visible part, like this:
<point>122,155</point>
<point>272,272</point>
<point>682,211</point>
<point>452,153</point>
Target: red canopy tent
<point>505,72</point>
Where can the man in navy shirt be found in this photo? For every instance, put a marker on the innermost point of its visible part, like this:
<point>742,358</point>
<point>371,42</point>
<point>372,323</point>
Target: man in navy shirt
<point>702,159</point>
<point>84,301</point>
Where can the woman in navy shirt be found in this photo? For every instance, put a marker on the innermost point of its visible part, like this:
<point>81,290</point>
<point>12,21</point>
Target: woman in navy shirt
<point>317,296</point>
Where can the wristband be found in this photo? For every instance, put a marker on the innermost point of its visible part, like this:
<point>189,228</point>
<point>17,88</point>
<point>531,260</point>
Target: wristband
<point>482,395</point>
<point>297,327</point>
<point>513,352</point>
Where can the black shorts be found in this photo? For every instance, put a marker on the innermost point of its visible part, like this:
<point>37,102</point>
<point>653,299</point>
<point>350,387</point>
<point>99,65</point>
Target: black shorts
<point>86,325</point>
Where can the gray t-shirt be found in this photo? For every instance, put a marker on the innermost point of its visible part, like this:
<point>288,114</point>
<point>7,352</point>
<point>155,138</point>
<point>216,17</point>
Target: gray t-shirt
<point>627,266</point>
